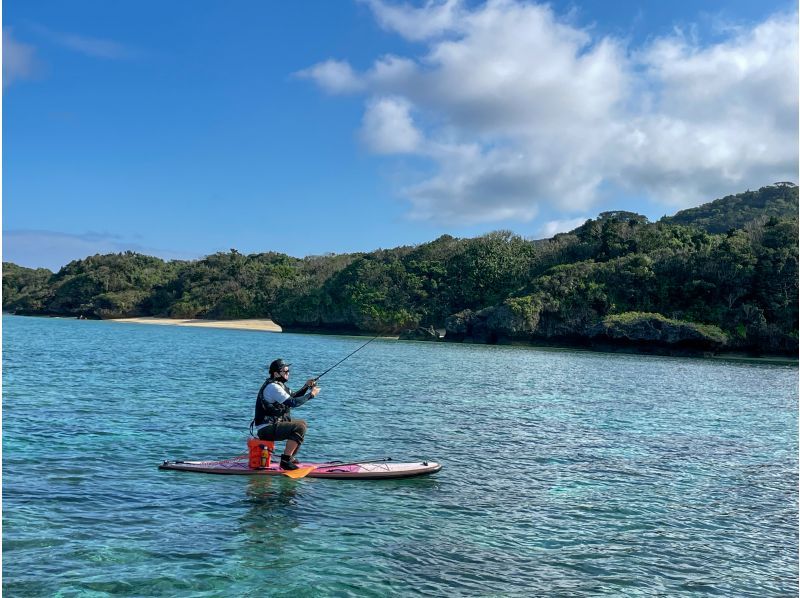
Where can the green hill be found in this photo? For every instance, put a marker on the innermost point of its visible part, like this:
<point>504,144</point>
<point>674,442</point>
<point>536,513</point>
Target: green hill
<point>735,211</point>
<point>617,280</point>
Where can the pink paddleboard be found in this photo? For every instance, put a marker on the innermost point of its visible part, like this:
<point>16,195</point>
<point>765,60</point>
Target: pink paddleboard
<point>370,470</point>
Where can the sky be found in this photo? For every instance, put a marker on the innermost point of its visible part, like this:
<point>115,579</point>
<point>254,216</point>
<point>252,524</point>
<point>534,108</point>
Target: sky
<point>183,128</point>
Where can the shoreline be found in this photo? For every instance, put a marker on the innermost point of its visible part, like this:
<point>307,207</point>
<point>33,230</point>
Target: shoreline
<point>262,325</point>
<point>655,350</point>
<point>267,325</point>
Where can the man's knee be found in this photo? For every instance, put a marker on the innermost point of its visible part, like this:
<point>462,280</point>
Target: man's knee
<point>299,432</point>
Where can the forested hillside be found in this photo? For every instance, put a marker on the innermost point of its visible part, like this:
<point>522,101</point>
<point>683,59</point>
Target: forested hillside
<point>735,211</point>
<point>720,277</point>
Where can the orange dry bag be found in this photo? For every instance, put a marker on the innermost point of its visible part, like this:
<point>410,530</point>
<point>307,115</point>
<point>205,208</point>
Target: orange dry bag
<point>259,453</point>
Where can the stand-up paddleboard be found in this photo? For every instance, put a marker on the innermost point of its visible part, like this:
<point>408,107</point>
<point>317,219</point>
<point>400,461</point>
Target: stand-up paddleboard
<point>366,470</point>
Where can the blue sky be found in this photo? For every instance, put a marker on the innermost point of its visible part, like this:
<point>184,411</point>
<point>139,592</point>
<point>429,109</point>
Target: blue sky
<point>179,129</point>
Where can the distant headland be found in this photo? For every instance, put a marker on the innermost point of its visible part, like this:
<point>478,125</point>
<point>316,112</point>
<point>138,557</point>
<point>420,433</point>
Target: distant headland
<point>719,278</point>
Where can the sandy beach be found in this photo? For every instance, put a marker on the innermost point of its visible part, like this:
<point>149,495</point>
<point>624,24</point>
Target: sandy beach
<point>263,325</point>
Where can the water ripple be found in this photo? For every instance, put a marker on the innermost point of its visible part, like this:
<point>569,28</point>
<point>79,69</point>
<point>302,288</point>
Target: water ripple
<point>566,474</point>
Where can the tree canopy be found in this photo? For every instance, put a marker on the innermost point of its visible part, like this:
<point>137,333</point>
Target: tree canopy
<point>731,264</point>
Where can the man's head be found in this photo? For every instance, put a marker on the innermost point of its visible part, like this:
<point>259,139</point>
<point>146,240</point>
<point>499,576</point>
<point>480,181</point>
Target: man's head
<point>279,368</point>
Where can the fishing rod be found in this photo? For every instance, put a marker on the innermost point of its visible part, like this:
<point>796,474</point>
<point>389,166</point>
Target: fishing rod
<point>350,355</point>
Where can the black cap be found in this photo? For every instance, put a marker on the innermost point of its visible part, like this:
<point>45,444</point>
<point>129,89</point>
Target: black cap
<point>278,365</point>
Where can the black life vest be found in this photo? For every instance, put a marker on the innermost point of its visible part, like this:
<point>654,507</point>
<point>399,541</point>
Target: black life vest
<point>265,409</point>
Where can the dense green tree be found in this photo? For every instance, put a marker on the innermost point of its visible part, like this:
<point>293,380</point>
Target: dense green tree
<point>735,211</point>
<point>731,264</point>
<point>24,289</point>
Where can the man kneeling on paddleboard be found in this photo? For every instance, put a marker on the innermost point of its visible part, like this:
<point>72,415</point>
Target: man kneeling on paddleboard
<point>273,407</point>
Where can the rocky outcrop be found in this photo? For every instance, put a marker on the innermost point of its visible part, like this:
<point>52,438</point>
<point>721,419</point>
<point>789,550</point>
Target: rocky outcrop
<point>514,319</point>
<point>458,327</point>
<point>420,334</point>
<point>525,319</point>
<point>313,313</point>
<point>638,328</point>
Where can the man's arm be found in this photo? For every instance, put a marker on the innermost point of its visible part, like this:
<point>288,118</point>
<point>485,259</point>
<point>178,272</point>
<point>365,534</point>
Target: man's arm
<point>306,387</point>
<point>274,393</point>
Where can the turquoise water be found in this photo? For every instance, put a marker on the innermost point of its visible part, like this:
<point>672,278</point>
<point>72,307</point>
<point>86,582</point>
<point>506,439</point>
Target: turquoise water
<point>565,473</point>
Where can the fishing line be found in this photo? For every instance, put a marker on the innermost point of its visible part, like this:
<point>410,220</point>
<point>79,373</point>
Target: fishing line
<point>350,355</point>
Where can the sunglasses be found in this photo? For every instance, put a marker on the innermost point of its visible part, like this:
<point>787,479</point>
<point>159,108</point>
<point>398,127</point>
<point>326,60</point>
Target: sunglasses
<point>285,371</point>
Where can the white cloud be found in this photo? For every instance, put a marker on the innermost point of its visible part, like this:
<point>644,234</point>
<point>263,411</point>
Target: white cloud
<point>388,127</point>
<point>475,185</point>
<point>431,20</point>
<point>89,46</point>
<point>19,60</point>
<point>724,117</point>
<point>98,48</point>
<point>392,72</point>
<point>518,109</point>
<point>553,227</point>
<point>333,76</point>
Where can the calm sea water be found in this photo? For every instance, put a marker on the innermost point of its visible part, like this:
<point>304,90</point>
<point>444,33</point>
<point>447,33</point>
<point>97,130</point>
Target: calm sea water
<point>565,473</point>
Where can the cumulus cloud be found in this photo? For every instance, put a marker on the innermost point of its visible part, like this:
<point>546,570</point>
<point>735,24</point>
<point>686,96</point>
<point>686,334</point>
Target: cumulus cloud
<point>19,60</point>
<point>433,19</point>
<point>724,116</point>
<point>518,109</point>
<point>333,76</point>
<point>388,127</point>
<point>553,227</point>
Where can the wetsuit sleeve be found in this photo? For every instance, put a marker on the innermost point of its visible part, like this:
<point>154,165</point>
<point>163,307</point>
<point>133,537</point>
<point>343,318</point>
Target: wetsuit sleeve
<point>274,393</point>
